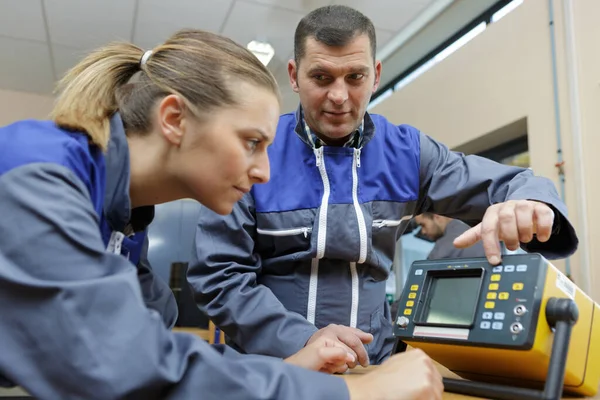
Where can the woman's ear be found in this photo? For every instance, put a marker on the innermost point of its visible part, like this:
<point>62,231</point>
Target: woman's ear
<point>171,113</point>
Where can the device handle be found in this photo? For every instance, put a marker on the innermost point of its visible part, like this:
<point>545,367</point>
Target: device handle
<point>561,314</point>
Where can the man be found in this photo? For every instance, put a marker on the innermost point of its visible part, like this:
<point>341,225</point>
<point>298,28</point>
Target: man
<point>443,230</point>
<point>307,254</point>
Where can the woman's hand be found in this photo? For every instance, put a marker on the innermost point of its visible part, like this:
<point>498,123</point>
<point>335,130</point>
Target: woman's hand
<point>322,355</point>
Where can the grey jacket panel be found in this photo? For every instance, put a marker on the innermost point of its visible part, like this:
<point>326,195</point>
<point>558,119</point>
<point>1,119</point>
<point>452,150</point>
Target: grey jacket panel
<point>246,310</point>
<point>156,293</point>
<point>76,325</point>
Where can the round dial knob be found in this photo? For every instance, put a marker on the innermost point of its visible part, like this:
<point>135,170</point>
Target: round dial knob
<point>402,322</point>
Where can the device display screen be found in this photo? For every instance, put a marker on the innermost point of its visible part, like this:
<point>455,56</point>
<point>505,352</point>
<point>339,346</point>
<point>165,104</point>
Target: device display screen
<point>452,300</point>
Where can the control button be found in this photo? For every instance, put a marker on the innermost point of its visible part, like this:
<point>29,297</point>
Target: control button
<point>497,326</point>
<point>402,322</point>
<point>497,269</point>
<point>503,296</point>
<point>412,295</point>
<point>499,316</point>
<point>487,315</point>
<point>419,272</point>
<point>491,296</point>
<point>490,304</point>
<point>407,311</point>
<point>493,286</point>
<point>520,310</point>
<point>410,303</point>
<point>414,287</point>
<point>495,278</point>
<point>517,286</point>
<point>509,268</point>
<point>485,325</point>
<point>522,268</point>
<point>516,328</point>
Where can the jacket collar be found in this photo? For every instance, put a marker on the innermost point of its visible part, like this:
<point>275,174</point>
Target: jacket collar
<point>117,204</point>
<point>303,133</point>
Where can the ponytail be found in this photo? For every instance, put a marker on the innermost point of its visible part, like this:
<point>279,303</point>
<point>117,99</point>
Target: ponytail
<point>87,93</point>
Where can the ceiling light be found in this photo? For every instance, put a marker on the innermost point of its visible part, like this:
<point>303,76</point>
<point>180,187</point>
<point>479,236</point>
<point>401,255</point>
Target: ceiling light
<point>262,50</point>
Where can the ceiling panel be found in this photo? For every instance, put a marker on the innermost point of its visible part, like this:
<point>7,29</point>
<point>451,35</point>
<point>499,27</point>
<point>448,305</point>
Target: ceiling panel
<point>302,6</point>
<point>22,19</point>
<point>391,15</point>
<point>273,25</point>
<point>89,24</point>
<point>383,37</point>
<point>158,19</point>
<point>25,66</point>
<point>75,27</point>
<point>65,58</point>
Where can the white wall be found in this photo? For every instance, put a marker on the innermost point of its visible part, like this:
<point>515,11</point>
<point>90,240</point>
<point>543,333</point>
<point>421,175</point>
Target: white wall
<point>15,106</point>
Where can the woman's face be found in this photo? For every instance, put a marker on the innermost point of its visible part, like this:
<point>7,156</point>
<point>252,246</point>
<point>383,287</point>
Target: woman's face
<point>222,156</point>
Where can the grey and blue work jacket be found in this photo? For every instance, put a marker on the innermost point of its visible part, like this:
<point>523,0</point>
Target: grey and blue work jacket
<point>83,316</point>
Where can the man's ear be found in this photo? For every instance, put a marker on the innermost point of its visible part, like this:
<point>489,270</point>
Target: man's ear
<point>293,74</point>
<point>171,112</point>
<point>377,75</point>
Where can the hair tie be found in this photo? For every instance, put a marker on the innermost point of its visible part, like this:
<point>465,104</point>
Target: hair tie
<point>145,57</point>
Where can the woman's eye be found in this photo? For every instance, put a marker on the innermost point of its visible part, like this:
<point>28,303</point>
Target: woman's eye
<point>252,144</point>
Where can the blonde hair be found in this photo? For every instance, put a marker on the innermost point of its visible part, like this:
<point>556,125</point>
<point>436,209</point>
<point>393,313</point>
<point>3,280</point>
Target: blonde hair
<point>199,66</point>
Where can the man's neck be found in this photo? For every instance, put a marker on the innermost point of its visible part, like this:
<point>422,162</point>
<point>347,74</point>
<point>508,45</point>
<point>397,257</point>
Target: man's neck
<point>333,142</point>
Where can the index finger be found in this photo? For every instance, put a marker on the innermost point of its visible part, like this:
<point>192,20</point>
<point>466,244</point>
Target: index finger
<point>489,236</point>
<point>364,337</point>
<point>354,342</point>
<point>469,237</point>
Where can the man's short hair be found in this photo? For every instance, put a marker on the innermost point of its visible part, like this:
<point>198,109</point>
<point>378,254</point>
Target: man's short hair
<point>333,26</point>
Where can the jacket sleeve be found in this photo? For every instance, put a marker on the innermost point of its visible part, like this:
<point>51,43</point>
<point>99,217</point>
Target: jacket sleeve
<point>74,323</point>
<point>223,274</point>
<point>157,294</point>
<point>463,187</point>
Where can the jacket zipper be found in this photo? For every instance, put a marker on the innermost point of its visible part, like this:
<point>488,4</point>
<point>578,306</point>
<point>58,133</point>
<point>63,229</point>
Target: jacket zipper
<point>321,238</point>
<point>380,223</point>
<point>284,232</point>
<point>362,233</point>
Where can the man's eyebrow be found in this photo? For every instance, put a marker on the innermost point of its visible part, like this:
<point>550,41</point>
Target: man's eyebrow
<point>359,69</point>
<point>317,68</point>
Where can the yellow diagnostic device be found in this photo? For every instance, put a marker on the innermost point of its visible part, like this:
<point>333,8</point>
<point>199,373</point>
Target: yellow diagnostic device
<point>520,330</point>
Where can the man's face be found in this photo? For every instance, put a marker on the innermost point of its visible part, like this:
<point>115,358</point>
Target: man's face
<point>429,227</point>
<point>335,85</point>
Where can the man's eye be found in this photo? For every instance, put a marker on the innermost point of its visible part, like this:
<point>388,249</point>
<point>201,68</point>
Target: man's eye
<point>320,77</point>
<point>357,76</point>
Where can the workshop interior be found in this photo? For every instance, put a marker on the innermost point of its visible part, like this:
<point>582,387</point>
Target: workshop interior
<point>514,81</point>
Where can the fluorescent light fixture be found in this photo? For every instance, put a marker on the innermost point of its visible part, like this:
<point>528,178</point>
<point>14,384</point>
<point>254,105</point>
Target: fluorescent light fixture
<point>262,50</point>
<point>506,9</point>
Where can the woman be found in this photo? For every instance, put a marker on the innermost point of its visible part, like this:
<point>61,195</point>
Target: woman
<point>191,119</point>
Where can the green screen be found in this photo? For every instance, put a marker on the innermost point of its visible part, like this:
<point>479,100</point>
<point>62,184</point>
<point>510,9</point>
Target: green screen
<point>453,300</point>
